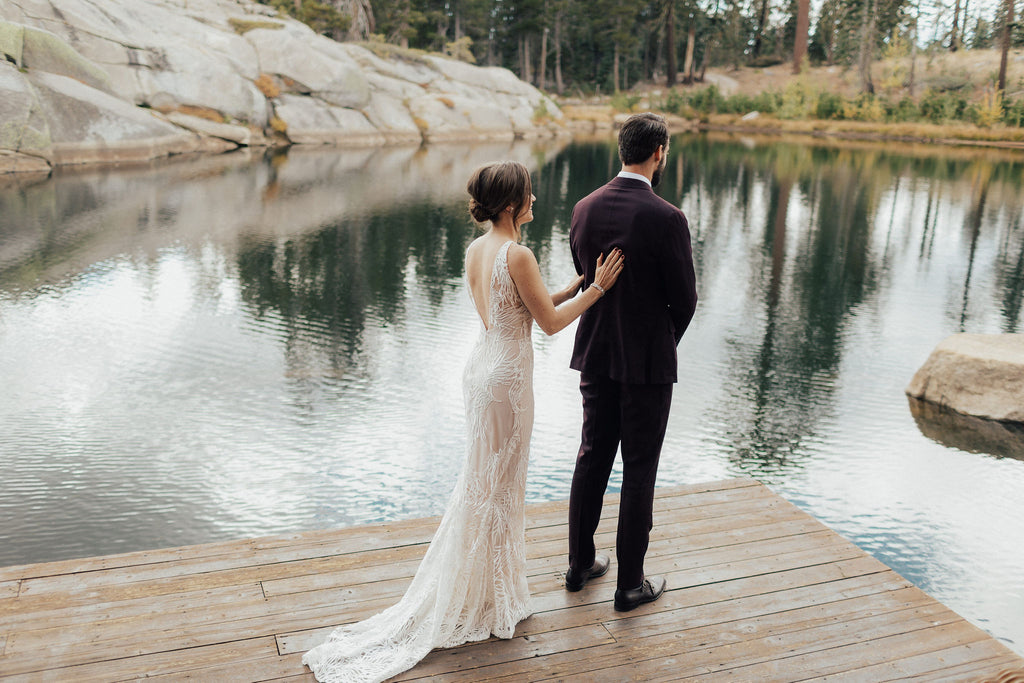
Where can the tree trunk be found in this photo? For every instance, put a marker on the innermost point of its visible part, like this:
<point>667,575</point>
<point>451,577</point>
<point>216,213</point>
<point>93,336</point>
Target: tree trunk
<point>762,20</point>
<point>542,68</point>
<point>691,38</point>
<point>867,39</point>
<point>1004,52</point>
<point>615,69</point>
<point>559,84</point>
<point>803,20</point>
<point>670,44</point>
<point>913,52</point>
<point>458,23</point>
<point>522,69</point>
<point>527,70</point>
<point>954,39</point>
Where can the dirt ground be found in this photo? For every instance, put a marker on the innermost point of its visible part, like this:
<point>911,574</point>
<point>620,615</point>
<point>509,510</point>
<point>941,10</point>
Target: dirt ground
<point>970,70</point>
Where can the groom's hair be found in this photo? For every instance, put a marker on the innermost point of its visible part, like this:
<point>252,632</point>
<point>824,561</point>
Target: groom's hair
<point>640,137</point>
<point>497,185</point>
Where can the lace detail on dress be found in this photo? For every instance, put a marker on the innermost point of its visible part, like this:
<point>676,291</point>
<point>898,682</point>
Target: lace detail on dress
<point>472,580</point>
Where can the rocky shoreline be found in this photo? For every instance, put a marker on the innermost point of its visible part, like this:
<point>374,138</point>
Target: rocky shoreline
<point>108,81</point>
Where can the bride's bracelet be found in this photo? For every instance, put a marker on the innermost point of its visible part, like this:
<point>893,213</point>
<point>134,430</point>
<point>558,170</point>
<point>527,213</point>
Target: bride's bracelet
<point>597,287</point>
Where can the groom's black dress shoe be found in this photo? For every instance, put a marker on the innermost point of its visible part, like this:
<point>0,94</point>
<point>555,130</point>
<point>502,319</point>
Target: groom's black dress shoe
<point>649,591</point>
<point>575,580</point>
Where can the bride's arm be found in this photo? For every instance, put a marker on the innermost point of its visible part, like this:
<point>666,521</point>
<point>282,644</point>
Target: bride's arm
<point>525,272</point>
<point>561,296</point>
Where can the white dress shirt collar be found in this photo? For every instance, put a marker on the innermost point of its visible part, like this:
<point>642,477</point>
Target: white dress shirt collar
<point>634,176</point>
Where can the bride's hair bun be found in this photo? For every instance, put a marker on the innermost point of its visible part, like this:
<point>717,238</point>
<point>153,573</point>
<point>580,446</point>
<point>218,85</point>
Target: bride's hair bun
<point>480,214</point>
<point>497,185</point>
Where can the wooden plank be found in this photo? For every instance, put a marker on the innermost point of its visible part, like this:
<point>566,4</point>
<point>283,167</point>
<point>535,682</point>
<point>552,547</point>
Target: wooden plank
<point>268,668</point>
<point>467,658</point>
<point>67,616</point>
<point>843,578</point>
<point>707,632</point>
<point>9,590</point>
<point>702,650</point>
<point>403,562</point>
<point>967,662</point>
<point>913,639</point>
<point>173,663</point>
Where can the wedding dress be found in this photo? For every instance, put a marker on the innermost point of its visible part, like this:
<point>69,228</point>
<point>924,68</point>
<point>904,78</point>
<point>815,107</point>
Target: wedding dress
<point>472,580</point>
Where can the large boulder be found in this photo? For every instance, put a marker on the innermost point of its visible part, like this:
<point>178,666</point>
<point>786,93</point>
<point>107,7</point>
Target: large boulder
<point>23,128</point>
<point>151,77</point>
<point>33,48</point>
<point>89,126</point>
<point>310,65</point>
<point>975,374</point>
<point>313,122</point>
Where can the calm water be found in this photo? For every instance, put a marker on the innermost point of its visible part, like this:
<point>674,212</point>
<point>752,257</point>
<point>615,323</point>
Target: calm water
<point>238,346</point>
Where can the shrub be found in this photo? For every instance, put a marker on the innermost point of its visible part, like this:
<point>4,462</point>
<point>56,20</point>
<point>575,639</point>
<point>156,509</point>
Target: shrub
<point>241,26</point>
<point>1013,112</point>
<point>829,106</point>
<point>796,102</point>
<point>622,101</point>
<point>765,61</point>
<point>866,107</point>
<point>461,50</point>
<point>904,110</point>
<point>708,100</point>
<point>989,111</point>
<point>940,107</point>
<point>674,103</point>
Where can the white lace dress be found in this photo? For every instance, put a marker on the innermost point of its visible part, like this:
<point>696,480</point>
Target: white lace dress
<point>472,580</point>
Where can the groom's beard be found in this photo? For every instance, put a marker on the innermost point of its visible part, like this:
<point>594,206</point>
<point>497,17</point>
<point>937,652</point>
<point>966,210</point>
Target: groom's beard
<point>658,172</point>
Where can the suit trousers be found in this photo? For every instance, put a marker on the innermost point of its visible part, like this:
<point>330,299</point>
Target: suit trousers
<point>636,416</point>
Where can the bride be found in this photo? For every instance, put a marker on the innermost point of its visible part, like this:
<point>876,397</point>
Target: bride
<point>472,580</point>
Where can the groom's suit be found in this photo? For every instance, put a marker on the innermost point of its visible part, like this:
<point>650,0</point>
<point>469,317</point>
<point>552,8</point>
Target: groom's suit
<point>626,353</point>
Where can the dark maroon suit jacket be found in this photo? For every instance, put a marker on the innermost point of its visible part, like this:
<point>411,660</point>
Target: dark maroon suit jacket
<point>630,334</point>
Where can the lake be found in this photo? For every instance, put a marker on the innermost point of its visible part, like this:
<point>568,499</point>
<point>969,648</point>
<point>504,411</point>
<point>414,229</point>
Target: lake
<point>221,347</point>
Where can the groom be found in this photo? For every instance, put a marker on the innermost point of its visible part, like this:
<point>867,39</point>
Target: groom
<point>626,354</point>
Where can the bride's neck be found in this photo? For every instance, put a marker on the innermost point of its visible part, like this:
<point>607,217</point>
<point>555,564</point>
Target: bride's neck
<point>504,226</point>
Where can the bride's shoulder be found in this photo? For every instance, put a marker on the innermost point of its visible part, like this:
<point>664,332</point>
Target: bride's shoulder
<point>520,256</point>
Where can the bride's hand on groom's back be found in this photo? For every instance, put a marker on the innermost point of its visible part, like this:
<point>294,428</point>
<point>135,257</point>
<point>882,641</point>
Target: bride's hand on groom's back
<point>608,269</point>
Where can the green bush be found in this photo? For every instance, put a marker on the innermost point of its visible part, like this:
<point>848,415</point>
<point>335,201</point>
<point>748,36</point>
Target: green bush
<point>941,107</point>
<point>903,111</point>
<point>622,101</point>
<point>675,103</point>
<point>1013,112</point>
<point>708,101</point>
<point>829,106</point>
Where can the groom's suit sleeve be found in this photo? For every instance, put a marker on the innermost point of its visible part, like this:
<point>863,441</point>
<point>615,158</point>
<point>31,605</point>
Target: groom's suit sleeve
<point>678,275</point>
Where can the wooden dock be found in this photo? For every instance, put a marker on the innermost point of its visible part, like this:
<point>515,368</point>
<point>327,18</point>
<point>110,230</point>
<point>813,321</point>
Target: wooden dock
<point>758,591</point>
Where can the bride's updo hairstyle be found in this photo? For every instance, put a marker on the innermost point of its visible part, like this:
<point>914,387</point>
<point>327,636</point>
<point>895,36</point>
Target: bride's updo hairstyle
<point>498,185</point>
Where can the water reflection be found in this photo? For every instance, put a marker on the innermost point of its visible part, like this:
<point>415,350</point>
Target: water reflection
<point>250,344</point>
<point>966,432</point>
